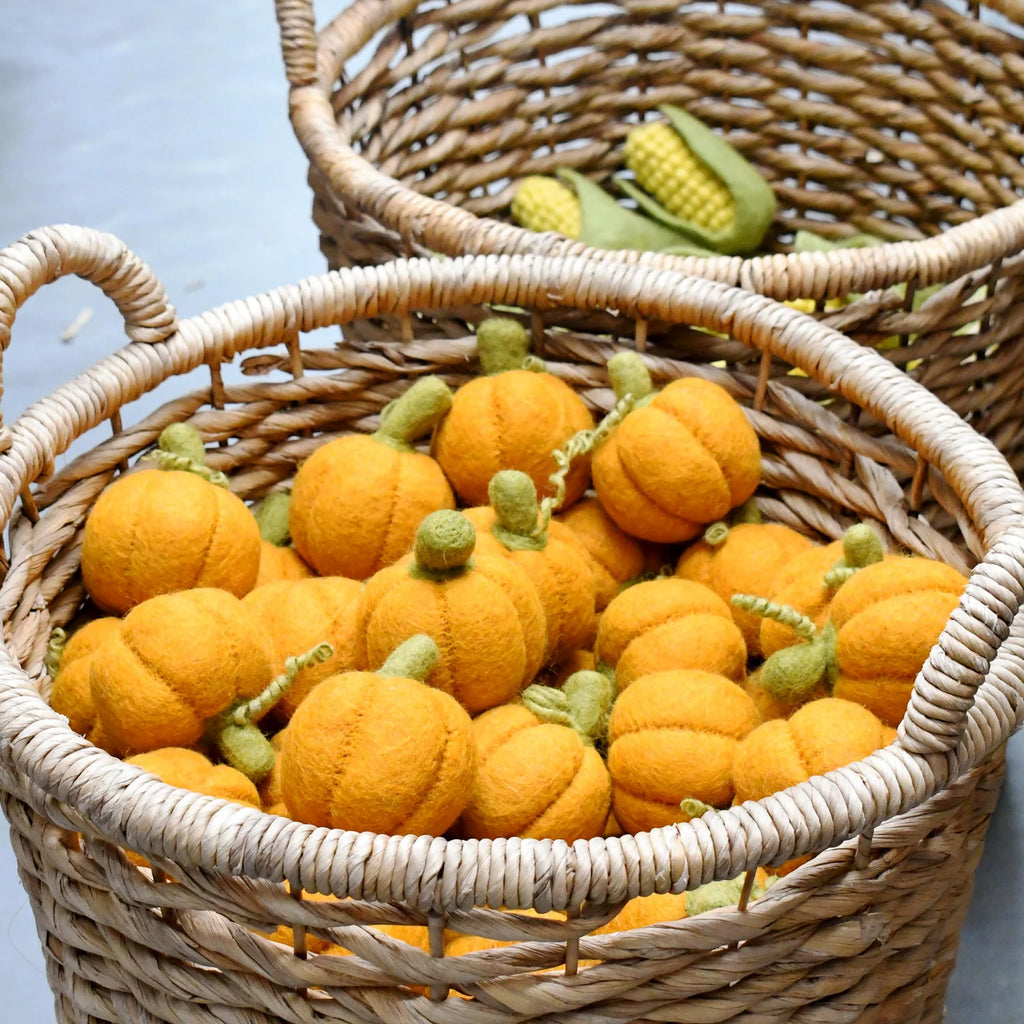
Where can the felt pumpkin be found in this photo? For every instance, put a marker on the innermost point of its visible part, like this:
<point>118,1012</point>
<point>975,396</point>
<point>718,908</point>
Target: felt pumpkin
<point>357,500</point>
<point>555,562</point>
<point>485,612</point>
<point>537,773</point>
<point>557,674</point>
<point>158,531</point>
<point>616,558</point>
<point>669,623</point>
<point>767,706</point>
<point>271,799</point>
<point>379,751</point>
<point>743,558</point>
<point>680,459</point>
<point>727,892</point>
<point>278,560</point>
<point>510,418</point>
<point>672,736</point>
<point>185,667</point>
<point>69,663</point>
<point>188,769</point>
<point>644,910</point>
<point>883,623</point>
<point>293,615</point>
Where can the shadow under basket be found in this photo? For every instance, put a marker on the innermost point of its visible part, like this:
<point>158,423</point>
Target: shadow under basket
<point>898,120</point>
<point>865,931</point>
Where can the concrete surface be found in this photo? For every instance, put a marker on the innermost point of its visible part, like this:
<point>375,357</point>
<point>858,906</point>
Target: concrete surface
<point>166,124</point>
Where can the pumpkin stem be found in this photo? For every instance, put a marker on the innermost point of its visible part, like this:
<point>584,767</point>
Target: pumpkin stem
<point>234,732</point>
<point>629,376</point>
<point>717,533</point>
<point>513,497</point>
<point>694,808</point>
<point>414,414</point>
<point>54,650</point>
<point>444,543</point>
<point>716,895</point>
<point>861,547</point>
<point>781,613</point>
<point>792,673</point>
<point>272,517</point>
<point>502,344</point>
<point>180,447</point>
<point>583,704</point>
<point>413,659</point>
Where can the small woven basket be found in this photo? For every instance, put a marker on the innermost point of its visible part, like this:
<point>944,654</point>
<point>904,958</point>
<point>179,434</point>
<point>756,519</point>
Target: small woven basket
<point>898,119</point>
<point>866,931</point>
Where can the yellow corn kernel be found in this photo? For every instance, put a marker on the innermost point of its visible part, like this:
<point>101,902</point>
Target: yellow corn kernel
<point>545,204</point>
<point>666,168</point>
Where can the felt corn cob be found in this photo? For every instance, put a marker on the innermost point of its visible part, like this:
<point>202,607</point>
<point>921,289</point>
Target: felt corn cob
<point>701,186</point>
<point>545,204</point>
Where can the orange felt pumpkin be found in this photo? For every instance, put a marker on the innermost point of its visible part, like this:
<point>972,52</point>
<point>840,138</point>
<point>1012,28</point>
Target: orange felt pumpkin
<point>357,500</point>
<point>379,751</point>
<point>278,561</point>
<point>485,613</point>
<point>555,562</point>
<point>188,769</point>
<point>511,418</point>
<point>162,530</point>
<point>679,460</point>
<point>672,736</point>
<point>669,623</point>
<point>69,663</point>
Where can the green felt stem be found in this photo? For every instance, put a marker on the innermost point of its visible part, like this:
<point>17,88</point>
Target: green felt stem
<point>502,344</point>
<point>416,658</point>
<point>748,513</point>
<point>629,376</point>
<point>583,704</point>
<point>717,533</point>
<point>180,447</point>
<point>271,516</point>
<point>861,547</point>
<point>54,650</point>
<point>444,544</point>
<point>513,497</point>
<point>234,732</point>
<point>693,807</point>
<point>414,414</point>
<point>727,893</point>
<point>781,613</point>
<point>791,674</point>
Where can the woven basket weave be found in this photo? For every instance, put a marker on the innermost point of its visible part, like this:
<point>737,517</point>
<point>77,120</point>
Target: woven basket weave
<point>901,120</point>
<point>866,931</point>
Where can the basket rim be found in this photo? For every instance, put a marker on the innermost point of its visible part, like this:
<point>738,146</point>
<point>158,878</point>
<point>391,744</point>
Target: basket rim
<point>959,711</point>
<point>314,62</point>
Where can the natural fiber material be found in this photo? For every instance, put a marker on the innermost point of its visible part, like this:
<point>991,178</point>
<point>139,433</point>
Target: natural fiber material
<point>901,831</point>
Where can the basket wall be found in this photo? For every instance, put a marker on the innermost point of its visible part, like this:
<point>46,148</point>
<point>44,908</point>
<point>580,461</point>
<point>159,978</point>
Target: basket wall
<point>901,120</point>
<point>865,932</point>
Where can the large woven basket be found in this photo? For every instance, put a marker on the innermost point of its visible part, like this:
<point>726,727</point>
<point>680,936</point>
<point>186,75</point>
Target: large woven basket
<point>897,119</point>
<point>866,931</point>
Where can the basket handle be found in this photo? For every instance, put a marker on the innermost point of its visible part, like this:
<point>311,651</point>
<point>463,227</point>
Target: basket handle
<point>298,40</point>
<point>46,254</point>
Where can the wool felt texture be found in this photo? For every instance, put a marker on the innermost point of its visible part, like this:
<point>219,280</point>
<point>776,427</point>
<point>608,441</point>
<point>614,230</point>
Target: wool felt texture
<point>557,674</point>
<point>280,563</point>
<point>559,571</point>
<point>652,603</point>
<point>701,641</point>
<point>644,910</point>
<point>534,779</point>
<point>726,893</point>
<point>677,463</point>
<point>70,695</point>
<point>800,585</point>
<point>377,754</point>
<point>484,613</point>
<point>768,707</point>
<point>161,531</point>
<point>271,799</point>
<point>615,557</point>
<point>747,561</point>
<point>271,516</point>
<point>188,769</point>
<point>178,661</point>
<point>295,615</point>
<point>513,420</point>
<point>672,736</point>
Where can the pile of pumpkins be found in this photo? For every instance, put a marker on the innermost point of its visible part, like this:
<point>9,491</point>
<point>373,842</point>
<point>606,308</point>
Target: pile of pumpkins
<point>547,662</point>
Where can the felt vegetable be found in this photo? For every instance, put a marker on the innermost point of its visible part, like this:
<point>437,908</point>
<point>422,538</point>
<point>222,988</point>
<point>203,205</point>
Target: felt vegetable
<point>293,615</point>
<point>485,613</point>
<point>558,673</point>
<point>545,204</point>
<point>726,893</point>
<point>767,706</point>
<point>380,751</point>
<point>187,667</point>
<point>271,799</point>
<point>537,773</point>
<point>357,500</point>
<point>278,561</point>
<point>157,531</point>
<point>672,736</point>
<point>701,186</point>
<point>616,558</point>
<point>188,769</point>
<point>682,458</point>
<point>510,418</point>
<point>742,558</point>
<point>669,623</point>
<point>883,622</point>
<point>556,563</point>
<point>68,662</point>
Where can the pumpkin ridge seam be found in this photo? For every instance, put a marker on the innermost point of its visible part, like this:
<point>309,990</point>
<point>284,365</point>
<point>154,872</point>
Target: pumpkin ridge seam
<point>218,512</point>
<point>572,779</point>
<point>652,499</point>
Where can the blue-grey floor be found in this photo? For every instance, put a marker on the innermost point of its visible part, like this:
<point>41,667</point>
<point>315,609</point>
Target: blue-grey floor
<point>167,125</point>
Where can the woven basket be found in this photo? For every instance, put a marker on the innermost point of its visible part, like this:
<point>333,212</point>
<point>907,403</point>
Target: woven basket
<point>901,120</point>
<point>866,931</point>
